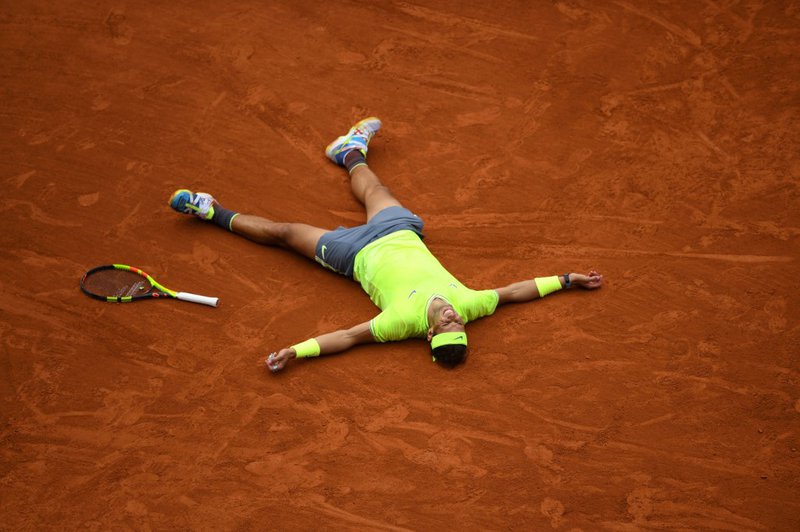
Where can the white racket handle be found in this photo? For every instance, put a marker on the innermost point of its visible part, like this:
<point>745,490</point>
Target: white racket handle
<point>194,298</point>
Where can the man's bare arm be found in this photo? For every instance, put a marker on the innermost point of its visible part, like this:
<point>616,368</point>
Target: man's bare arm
<point>332,342</point>
<point>523,291</point>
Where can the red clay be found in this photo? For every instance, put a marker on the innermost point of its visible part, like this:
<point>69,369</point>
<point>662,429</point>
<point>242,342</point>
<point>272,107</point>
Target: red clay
<point>656,142</point>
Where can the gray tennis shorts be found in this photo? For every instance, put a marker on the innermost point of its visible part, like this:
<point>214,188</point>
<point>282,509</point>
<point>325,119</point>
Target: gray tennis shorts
<point>337,249</point>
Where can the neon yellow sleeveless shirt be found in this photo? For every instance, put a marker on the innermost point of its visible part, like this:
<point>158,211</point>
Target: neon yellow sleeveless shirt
<point>401,276</point>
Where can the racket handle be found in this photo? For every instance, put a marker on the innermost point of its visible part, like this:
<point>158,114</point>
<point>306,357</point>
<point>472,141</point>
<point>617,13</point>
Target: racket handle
<point>194,298</point>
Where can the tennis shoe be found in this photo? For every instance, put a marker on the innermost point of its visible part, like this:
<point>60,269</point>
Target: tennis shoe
<point>356,139</point>
<point>198,204</point>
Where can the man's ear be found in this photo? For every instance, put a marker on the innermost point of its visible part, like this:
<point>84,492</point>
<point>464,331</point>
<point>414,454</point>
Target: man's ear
<point>430,333</point>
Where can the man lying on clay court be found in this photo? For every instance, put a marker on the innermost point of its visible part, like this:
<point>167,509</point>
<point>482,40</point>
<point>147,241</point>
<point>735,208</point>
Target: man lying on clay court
<point>418,298</point>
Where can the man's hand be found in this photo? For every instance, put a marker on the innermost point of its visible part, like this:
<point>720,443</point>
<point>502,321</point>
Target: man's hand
<point>277,361</point>
<point>591,281</point>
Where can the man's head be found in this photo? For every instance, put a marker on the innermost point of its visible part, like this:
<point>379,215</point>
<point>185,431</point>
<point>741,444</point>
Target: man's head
<point>449,354</point>
<point>447,334</point>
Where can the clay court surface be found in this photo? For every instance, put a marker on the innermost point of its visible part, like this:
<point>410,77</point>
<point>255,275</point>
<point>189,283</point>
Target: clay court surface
<point>654,141</point>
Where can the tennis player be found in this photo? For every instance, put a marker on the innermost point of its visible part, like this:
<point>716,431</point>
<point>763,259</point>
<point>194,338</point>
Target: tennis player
<point>418,298</point>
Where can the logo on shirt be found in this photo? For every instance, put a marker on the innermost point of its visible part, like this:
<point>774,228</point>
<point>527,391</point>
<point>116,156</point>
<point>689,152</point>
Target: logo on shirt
<point>411,294</point>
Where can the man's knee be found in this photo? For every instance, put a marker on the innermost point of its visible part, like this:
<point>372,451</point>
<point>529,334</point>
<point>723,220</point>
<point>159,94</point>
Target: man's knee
<point>379,192</point>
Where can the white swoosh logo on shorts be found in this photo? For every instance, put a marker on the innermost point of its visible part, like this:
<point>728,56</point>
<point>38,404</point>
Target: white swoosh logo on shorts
<point>323,251</point>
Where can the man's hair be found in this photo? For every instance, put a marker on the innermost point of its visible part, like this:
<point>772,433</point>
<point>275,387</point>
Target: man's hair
<point>450,355</point>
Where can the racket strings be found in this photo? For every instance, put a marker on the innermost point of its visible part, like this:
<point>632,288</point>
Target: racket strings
<point>116,283</point>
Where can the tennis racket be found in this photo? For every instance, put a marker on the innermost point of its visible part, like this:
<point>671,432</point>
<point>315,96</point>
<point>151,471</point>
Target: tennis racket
<point>120,283</point>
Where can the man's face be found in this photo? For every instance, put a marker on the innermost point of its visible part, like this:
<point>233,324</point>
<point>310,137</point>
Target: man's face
<point>448,320</point>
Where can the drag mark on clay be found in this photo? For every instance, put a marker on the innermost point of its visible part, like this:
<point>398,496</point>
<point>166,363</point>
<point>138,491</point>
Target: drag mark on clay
<point>724,384</point>
<point>714,465</point>
<point>716,149</point>
<point>656,420</point>
<point>685,33</point>
<point>443,454</point>
<point>256,403</point>
<point>37,214</point>
<point>127,224</point>
<point>217,100</point>
<point>483,94</point>
<point>729,87</point>
<point>732,257</point>
<point>559,422</point>
<point>279,117</point>
<point>649,510</point>
<point>521,219</point>
<point>746,26</point>
<point>159,368</point>
<point>20,179</point>
<point>437,43</point>
<point>351,518</point>
<point>613,98</point>
<point>39,260</point>
<point>429,429</point>
<point>452,19</point>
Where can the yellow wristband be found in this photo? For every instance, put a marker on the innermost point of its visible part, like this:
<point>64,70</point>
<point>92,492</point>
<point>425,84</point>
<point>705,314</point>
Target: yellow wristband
<point>309,348</point>
<point>547,285</point>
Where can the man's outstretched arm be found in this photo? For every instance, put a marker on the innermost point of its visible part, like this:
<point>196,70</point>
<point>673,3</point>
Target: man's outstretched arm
<point>325,344</point>
<point>541,286</point>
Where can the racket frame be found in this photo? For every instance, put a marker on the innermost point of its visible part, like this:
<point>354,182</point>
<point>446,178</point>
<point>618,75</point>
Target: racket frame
<point>160,290</point>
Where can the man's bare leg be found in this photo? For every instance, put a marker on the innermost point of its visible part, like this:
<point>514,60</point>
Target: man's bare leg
<point>369,190</point>
<point>298,237</point>
<point>350,152</point>
<point>301,238</point>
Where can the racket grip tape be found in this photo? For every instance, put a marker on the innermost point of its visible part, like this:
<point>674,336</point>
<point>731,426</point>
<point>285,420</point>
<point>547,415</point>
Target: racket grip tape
<point>194,298</point>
